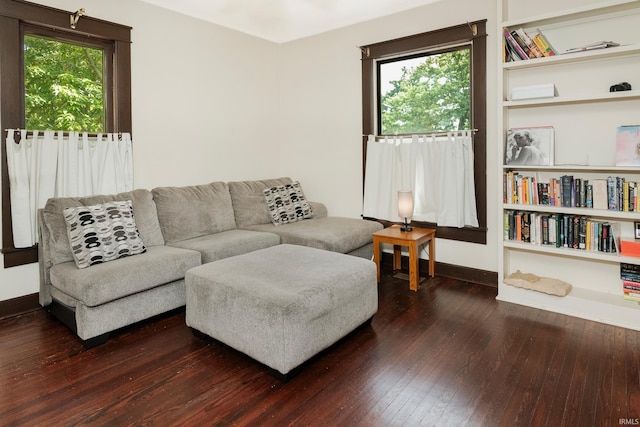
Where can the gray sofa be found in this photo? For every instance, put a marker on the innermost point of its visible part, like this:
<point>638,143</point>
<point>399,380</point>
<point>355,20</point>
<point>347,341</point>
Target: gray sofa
<point>182,228</point>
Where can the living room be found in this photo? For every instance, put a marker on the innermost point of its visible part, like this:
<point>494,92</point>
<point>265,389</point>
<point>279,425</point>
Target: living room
<point>203,94</point>
<point>211,103</point>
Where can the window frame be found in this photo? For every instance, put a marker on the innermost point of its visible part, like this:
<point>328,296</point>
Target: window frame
<point>473,33</point>
<point>15,17</point>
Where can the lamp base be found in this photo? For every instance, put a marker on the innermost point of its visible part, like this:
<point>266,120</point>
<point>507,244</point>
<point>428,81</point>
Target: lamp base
<point>406,226</point>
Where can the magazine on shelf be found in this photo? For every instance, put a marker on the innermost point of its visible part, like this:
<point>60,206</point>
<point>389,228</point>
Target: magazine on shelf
<point>628,146</point>
<point>593,46</point>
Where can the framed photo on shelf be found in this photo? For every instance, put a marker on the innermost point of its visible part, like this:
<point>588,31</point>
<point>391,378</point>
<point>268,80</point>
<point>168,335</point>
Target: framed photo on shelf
<point>532,146</point>
<point>636,229</point>
<point>628,146</point>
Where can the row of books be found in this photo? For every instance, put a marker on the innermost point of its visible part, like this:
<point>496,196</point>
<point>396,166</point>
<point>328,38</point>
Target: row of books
<point>562,231</point>
<point>613,193</point>
<point>630,276</point>
<point>520,45</point>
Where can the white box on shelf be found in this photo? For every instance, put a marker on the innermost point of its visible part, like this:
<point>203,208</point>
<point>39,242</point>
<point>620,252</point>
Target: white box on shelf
<point>546,90</point>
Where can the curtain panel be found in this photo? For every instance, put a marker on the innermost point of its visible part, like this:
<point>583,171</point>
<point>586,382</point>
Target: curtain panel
<point>53,164</point>
<point>438,169</point>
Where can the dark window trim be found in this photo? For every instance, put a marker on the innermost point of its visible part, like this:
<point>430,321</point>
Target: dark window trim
<point>426,41</point>
<point>14,14</point>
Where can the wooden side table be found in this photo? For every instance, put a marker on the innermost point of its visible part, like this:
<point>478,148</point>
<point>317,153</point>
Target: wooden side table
<point>413,240</point>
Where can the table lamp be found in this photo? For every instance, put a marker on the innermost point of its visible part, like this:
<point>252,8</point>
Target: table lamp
<point>405,208</point>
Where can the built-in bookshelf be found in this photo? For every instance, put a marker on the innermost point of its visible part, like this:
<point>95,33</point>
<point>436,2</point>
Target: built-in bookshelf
<point>584,115</point>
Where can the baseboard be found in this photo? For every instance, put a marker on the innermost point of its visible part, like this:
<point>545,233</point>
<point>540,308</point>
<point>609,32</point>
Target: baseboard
<point>26,303</point>
<point>468,274</point>
<point>19,305</point>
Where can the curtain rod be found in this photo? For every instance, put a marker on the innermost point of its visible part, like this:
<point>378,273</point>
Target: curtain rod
<point>65,133</point>
<point>410,135</point>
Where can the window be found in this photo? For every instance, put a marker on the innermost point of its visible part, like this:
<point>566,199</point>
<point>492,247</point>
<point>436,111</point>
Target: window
<point>424,93</point>
<point>64,83</point>
<point>53,76</point>
<point>429,83</point>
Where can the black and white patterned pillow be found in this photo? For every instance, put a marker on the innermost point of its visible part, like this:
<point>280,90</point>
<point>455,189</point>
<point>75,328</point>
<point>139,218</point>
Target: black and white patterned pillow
<point>287,204</point>
<point>102,233</point>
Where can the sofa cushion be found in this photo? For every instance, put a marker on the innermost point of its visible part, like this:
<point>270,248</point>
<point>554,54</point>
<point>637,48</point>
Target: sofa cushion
<point>102,233</point>
<point>59,247</point>
<point>144,211</point>
<point>335,234</point>
<point>248,200</point>
<point>228,243</point>
<point>287,204</point>
<point>194,211</point>
<point>126,276</point>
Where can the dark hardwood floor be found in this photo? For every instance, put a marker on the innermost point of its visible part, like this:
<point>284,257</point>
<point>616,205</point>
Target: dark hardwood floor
<point>449,354</point>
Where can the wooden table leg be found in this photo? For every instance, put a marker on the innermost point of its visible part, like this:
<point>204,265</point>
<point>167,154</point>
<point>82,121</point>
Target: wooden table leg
<point>376,256</point>
<point>397,257</point>
<point>414,275</point>
<point>432,257</point>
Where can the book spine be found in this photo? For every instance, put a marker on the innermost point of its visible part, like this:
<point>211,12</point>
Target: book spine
<point>559,229</point>
<point>631,285</point>
<point>582,233</point>
<point>575,193</point>
<point>522,44</point>
<point>526,227</point>
<point>611,193</point>
<point>547,48</point>
<point>505,225</point>
<point>514,44</point>
<point>619,192</point>
<point>533,49</point>
<point>545,230</point>
<point>567,185</point>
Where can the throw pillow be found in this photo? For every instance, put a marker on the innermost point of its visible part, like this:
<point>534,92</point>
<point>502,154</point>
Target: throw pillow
<point>102,233</point>
<point>287,204</point>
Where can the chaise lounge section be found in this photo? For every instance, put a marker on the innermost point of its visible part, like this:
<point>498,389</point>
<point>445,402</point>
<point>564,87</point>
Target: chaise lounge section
<point>181,228</point>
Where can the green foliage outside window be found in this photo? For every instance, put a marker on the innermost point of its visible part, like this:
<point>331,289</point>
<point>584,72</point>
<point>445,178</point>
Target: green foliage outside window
<point>63,86</point>
<point>433,96</point>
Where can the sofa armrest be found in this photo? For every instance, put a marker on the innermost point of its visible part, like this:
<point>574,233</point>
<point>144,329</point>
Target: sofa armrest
<point>319,209</point>
<point>44,261</point>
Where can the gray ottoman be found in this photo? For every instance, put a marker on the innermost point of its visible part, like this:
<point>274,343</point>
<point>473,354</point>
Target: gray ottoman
<point>281,305</point>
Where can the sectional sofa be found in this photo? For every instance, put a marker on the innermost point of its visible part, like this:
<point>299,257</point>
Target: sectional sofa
<point>171,230</point>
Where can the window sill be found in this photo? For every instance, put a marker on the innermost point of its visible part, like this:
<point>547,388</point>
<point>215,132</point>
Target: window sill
<point>14,257</point>
<point>465,234</point>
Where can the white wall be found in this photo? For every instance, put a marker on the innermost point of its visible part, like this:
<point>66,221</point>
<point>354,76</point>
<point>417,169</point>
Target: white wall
<point>212,104</point>
<point>322,113</point>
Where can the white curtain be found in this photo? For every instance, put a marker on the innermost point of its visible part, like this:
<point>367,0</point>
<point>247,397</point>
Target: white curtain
<point>50,164</point>
<point>439,171</point>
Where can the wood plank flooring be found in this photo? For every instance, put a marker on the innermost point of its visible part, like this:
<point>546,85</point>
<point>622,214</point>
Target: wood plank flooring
<point>449,354</point>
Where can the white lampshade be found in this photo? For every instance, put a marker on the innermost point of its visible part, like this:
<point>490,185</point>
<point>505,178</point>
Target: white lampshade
<point>405,204</point>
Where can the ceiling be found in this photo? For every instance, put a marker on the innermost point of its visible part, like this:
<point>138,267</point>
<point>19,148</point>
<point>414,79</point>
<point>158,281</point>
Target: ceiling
<point>281,21</point>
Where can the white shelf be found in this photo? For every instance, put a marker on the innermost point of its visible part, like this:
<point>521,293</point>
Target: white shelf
<point>570,252</point>
<point>560,100</point>
<point>596,213</point>
<point>576,168</point>
<point>586,304</point>
<point>567,58</point>
<point>574,13</point>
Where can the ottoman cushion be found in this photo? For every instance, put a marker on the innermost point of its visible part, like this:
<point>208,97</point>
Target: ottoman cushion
<point>281,305</point>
